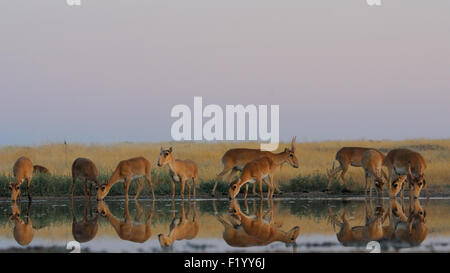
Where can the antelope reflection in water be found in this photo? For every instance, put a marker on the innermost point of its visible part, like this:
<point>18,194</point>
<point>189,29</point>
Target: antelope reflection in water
<point>243,230</point>
<point>372,230</point>
<point>181,228</point>
<point>23,231</point>
<point>413,231</point>
<point>138,233</point>
<point>402,230</point>
<point>86,229</point>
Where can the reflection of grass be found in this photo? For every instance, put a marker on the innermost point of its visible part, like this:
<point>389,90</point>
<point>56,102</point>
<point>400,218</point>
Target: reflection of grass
<point>315,160</point>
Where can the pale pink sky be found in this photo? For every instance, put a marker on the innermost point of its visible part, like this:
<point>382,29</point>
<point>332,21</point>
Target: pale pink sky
<point>111,70</point>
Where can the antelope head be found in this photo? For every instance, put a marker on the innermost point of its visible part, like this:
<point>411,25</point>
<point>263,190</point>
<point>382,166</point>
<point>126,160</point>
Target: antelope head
<point>292,159</point>
<point>291,236</point>
<point>15,190</point>
<point>234,188</point>
<point>165,156</point>
<point>102,191</point>
<point>397,184</point>
<point>102,208</point>
<point>234,209</point>
<point>418,181</point>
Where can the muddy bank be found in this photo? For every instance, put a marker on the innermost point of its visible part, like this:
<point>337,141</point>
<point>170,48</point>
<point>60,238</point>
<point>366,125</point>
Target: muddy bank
<point>224,196</point>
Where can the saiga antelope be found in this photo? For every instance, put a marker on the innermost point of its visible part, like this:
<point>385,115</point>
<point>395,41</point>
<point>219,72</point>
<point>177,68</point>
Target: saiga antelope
<point>85,169</point>
<point>372,163</point>
<point>234,160</point>
<point>253,172</point>
<point>180,170</point>
<point>409,163</point>
<point>264,231</point>
<point>23,170</point>
<point>40,169</point>
<point>86,229</point>
<point>138,233</point>
<point>126,171</point>
<point>346,156</point>
<point>183,229</point>
<point>23,232</point>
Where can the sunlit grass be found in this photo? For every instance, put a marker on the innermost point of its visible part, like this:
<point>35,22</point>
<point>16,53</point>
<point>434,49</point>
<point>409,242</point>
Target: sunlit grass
<point>315,160</point>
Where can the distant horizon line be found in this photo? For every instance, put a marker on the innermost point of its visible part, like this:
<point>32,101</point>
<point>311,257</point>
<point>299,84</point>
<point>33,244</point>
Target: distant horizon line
<point>212,142</point>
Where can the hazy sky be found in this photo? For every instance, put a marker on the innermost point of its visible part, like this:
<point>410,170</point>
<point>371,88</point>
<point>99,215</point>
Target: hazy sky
<point>111,70</point>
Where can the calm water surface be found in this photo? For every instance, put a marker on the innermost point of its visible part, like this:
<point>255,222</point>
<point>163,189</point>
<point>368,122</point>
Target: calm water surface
<point>284,225</point>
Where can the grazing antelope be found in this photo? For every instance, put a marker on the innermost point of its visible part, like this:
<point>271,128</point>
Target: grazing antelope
<point>234,160</point>
<point>23,232</point>
<point>409,163</point>
<point>85,169</point>
<point>360,235</point>
<point>253,172</point>
<point>86,229</point>
<point>180,170</point>
<point>138,233</point>
<point>372,162</point>
<point>40,169</point>
<point>126,171</point>
<point>23,170</point>
<point>346,156</point>
<point>183,229</point>
<point>258,230</point>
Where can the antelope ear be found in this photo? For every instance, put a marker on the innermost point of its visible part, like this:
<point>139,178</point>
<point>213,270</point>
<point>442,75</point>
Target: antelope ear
<point>170,149</point>
<point>161,149</point>
<point>286,150</point>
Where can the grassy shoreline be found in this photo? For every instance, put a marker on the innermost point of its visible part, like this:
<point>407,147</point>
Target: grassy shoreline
<point>315,159</point>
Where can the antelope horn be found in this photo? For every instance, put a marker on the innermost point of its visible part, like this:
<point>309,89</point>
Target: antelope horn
<point>411,177</point>
<point>293,144</point>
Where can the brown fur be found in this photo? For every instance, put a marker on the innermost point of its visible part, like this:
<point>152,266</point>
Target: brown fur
<point>372,163</point>
<point>234,160</point>
<point>183,229</point>
<point>23,170</point>
<point>360,235</point>
<point>137,166</point>
<point>255,230</point>
<point>138,233</point>
<point>23,231</point>
<point>409,163</point>
<point>85,230</point>
<point>347,156</point>
<point>253,172</point>
<point>180,170</point>
<point>413,231</point>
<point>85,169</point>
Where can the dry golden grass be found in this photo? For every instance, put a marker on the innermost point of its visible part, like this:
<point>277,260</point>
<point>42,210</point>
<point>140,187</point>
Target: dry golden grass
<point>314,157</point>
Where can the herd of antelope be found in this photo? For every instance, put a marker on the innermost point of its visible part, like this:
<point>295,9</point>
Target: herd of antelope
<point>255,166</point>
